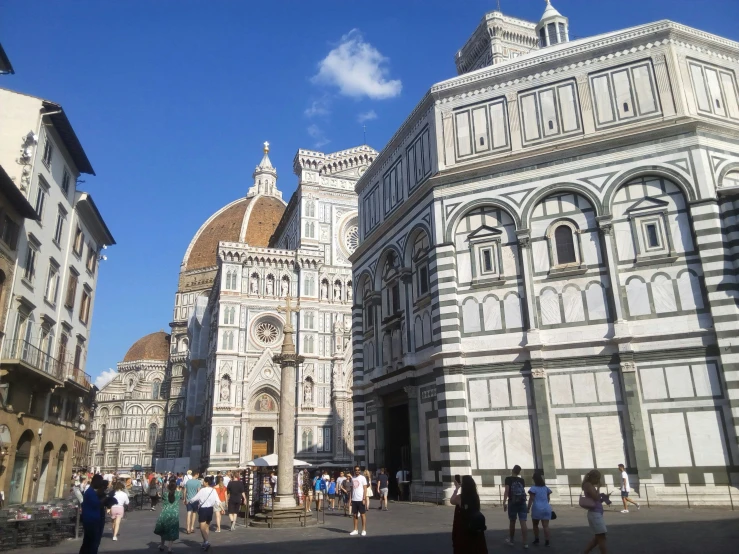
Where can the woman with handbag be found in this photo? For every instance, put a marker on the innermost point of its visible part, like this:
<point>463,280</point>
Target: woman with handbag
<point>205,501</point>
<point>541,510</point>
<point>468,529</point>
<point>592,500</point>
<point>221,504</point>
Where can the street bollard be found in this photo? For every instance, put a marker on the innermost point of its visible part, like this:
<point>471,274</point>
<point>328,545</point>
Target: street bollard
<point>686,494</point>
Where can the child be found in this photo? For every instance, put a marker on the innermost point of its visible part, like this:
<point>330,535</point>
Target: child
<point>332,493</point>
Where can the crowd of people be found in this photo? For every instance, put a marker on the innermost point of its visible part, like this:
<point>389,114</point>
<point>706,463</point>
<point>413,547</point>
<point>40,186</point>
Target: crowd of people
<point>468,528</point>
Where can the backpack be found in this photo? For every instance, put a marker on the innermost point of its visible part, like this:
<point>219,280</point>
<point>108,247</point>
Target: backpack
<point>517,492</point>
<point>323,484</point>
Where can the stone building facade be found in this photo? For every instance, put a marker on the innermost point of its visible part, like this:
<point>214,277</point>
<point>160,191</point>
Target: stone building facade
<point>547,273</point>
<point>128,428</point>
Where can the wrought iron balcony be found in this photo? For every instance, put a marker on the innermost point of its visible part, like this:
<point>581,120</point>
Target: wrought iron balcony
<point>78,376</point>
<point>23,353</point>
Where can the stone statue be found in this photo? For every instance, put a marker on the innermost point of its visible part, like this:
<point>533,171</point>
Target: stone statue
<point>254,285</point>
<point>270,286</point>
<point>308,392</point>
<point>284,287</point>
<point>337,292</point>
<point>324,290</point>
<point>349,293</point>
<point>225,390</point>
<point>339,335</point>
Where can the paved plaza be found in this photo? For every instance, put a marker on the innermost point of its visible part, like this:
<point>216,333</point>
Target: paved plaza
<point>416,528</point>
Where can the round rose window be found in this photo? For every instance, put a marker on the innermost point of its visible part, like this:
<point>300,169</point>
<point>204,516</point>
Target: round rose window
<point>351,238</point>
<point>267,332</point>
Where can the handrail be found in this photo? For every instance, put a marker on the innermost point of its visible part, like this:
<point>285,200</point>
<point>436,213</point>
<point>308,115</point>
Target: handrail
<point>78,376</point>
<point>20,349</point>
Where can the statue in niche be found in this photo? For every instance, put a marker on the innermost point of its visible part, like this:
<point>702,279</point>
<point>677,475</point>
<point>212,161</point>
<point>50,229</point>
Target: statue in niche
<point>254,284</point>
<point>225,389</point>
<point>324,290</point>
<point>270,285</point>
<point>337,291</point>
<point>349,293</point>
<point>308,392</point>
<point>284,287</point>
<point>339,335</point>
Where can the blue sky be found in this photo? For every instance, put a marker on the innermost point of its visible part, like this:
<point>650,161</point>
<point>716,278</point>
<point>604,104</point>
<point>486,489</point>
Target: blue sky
<point>173,99</point>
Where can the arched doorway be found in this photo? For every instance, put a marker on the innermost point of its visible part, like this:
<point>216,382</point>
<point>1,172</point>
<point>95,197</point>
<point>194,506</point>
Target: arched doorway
<point>61,460</point>
<point>20,468</point>
<point>262,442</point>
<point>44,472</point>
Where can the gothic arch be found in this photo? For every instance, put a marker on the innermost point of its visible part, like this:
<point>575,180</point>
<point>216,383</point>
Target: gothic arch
<point>558,188</point>
<point>391,249</point>
<point>418,228</point>
<point>480,202</point>
<point>658,171</point>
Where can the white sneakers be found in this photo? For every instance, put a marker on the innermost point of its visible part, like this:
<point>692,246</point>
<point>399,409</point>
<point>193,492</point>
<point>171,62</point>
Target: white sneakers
<point>115,538</point>
<point>364,533</point>
<point>624,511</point>
<point>355,532</point>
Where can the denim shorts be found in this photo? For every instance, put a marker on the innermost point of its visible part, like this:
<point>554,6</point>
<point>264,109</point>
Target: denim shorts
<point>517,511</point>
<point>624,494</point>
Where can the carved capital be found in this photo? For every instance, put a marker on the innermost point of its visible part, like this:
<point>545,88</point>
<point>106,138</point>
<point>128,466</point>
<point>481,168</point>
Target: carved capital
<point>524,238</point>
<point>412,392</point>
<point>377,400</point>
<point>605,224</point>
<point>659,59</point>
<point>538,373</point>
<point>628,367</point>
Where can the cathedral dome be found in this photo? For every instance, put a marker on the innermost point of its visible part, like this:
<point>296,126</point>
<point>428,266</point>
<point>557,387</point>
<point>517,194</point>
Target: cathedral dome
<point>251,220</point>
<point>151,347</point>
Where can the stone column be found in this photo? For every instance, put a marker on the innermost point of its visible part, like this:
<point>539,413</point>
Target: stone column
<point>380,431</point>
<point>416,471</point>
<point>288,360</point>
<point>543,419</point>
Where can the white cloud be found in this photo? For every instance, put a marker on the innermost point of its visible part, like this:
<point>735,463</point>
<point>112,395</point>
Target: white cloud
<point>105,377</point>
<point>318,136</point>
<point>317,108</point>
<point>366,116</point>
<point>358,69</point>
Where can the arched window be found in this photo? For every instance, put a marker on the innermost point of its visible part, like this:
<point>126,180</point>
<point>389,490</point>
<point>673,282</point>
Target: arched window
<point>309,345</point>
<point>564,243</point>
<point>152,436</point>
<point>156,389</point>
<point>307,442</point>
<point>222,441</point>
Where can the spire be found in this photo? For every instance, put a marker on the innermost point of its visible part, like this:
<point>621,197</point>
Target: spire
<point>265,177</point>
<point>553,28</point>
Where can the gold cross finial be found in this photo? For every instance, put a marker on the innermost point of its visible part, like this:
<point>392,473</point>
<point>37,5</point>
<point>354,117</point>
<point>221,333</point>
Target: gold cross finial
<point>266,146</point>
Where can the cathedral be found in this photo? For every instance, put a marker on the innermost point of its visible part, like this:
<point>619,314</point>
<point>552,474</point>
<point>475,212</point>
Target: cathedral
<point>209,390</point>
<point>547,271</point>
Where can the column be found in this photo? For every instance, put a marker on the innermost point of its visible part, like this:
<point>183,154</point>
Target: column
<point>416,471</point>
<point>608,254</point>
<point>636,429</point>
<point>524,249</point>
<point>543,417</point>
<point>380,431</point>
<point>454,425</point>
<point>723,297</point>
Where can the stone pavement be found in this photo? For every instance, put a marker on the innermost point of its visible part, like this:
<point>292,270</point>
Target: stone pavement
<point>416,528</point>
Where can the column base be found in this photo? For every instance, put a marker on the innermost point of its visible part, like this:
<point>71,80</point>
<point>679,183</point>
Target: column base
<point>284,502</point>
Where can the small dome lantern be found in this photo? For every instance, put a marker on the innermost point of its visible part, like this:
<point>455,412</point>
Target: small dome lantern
<point>553,28</point>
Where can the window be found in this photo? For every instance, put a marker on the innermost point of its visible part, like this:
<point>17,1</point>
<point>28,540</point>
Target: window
<point>92,258</point>
<point>310,229</point>
<point>371,213</point>
<point>309,344</point>
<point>419,159</point>
<point>63,342</point>
<point>9,232</point>
<point>564,245</point>
<point>222,441</point>
<point>228,340</point>
<point>71,288</point>
<point>550,112</point>
<point>43,190</point>
<point>487,262</point>
<point>78,356</point>
<point>85,306</point>
<point>309,319</point>
<point>715,90</point>
<point>310,209</point>
<point>48,152</point>
<point>156,388</point>
<point>30,268</point>
<point>52,283</point>
<point>79,241</point>
<point>395,297</point>
<point>307,440</point>
<point>369,316</point>
<point>152,442</point>
<point>324,441</point>
<point>393,186</point>
<point>310,285</point>
<point>60,217</point>
<point>652,236</point>
<point>423,279</point>
<point>229,315</point>
<point>65,181</point>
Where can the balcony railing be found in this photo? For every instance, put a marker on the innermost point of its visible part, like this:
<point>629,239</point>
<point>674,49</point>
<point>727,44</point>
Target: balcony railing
<point>78,376</point>
<point>24,351</point>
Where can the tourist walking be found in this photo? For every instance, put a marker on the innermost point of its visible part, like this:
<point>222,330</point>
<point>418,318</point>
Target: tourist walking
<point>168,522</point>
<point>593,500</point>
<point>340,489</point>
<point>118,510</point>
<point>154,491</point>
<point>541,510</point>
<point>93,514</point>
<point>220,506</point>
<point>317,492</point>
<point>468,528</point>
<point>625,490</point>
<point>402,479</point>
<point>514,503</point>
<point>359,496</point>
<point>205,499</point>
<point>346,490</point>
<point>383,483</point>
<point>368,477</point>
<point>236,497</point>
<point>332,494</point>
<point>192,486</point>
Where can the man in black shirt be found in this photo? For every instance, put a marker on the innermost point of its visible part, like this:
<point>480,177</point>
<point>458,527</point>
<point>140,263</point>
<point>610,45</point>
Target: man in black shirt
<point>236,496</point>
<point>383,482</point>
<point>514,502</point>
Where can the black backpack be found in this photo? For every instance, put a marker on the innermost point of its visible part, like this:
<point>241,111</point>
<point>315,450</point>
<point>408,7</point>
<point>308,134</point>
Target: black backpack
<point>475,522</point>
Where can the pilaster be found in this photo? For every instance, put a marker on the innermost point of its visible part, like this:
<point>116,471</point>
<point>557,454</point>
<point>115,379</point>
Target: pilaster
<point>524,247</point>
<point>636,428</point>
<point>608,248</point>
<point>543,416</point>
<point>415,433</point>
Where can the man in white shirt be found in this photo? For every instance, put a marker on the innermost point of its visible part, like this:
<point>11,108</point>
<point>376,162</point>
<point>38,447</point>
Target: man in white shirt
<point>206,499</point>
<point>402,478</point>
<point>226,478</point>
<point>625,489</point>
<point>359,500</point>
<point>187,477</point>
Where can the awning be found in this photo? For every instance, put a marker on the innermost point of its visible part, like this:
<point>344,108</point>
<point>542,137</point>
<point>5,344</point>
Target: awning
<point>271,461</point>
